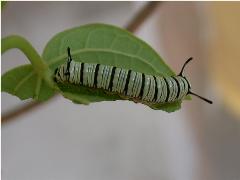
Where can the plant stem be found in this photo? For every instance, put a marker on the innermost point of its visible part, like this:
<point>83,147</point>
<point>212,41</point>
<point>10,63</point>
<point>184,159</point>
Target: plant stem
<point>39,66</point>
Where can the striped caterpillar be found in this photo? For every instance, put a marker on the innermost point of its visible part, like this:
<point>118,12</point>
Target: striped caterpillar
<point>129,84</point>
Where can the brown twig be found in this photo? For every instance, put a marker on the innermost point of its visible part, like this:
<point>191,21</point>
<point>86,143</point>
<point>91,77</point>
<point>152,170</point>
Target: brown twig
<point>142,15</point>
<point>11,115</point>
<point>133,25</point>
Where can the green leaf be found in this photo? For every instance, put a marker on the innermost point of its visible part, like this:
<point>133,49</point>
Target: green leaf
<point>33,78</point>
<point>95,43</point>
<point>24,83</point>
<point>109,45</point>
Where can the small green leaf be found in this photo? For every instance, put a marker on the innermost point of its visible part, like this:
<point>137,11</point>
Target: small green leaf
<point>30,81</point>
<point>24,83</point>
<point>109,45</point>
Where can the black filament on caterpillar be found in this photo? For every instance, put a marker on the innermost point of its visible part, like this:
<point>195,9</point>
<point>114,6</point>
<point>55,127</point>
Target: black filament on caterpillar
<point>127,83</point>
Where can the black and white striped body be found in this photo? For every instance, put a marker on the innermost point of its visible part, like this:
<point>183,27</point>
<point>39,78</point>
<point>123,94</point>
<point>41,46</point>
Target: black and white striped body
<point>128,83</point>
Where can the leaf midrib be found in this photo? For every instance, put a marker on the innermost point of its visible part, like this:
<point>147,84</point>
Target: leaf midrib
<point>19,84</point>
<point>57,59</point>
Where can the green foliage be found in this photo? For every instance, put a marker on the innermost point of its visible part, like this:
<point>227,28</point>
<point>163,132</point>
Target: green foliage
<point>30,81</point>
<point>23,82</point>
<point>94,43</point>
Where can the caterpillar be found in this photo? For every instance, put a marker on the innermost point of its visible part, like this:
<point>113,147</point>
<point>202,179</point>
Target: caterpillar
<point>132,85</point>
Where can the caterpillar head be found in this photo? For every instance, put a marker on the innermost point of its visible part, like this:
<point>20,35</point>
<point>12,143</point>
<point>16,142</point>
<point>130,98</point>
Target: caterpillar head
<point>189,85</point>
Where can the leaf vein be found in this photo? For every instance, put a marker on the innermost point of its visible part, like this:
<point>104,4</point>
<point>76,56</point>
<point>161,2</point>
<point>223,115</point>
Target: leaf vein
<point>89,36</point>
<point>19,84</point>
<point>54,61</point>
<point>38,87</point>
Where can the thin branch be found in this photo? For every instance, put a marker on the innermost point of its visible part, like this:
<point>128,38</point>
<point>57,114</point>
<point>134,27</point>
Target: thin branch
<point>133,25</point>
<point>142,16</point>
<point>11,115</point>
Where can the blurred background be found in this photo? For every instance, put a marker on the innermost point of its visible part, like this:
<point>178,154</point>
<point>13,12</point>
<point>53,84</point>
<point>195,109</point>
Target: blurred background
<point>122,140</point>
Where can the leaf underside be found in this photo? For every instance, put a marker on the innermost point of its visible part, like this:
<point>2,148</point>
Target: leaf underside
<point>24,83</point>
